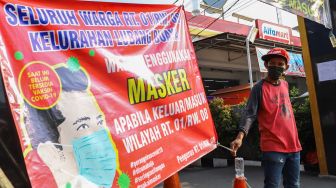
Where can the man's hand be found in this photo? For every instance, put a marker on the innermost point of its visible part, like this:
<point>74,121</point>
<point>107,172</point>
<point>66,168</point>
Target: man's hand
<point>236,144</point>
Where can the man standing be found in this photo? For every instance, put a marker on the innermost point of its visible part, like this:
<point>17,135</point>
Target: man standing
<point>270,105</point>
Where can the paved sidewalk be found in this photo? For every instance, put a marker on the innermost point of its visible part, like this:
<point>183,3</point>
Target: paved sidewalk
<point>197,177</point>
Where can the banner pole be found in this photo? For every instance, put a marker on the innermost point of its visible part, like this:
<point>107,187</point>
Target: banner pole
<point>4,181</point>
<point>172,182</point>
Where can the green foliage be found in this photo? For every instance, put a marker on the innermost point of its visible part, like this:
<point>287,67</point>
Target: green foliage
<point>222,117</point>
<point>304,123</point>
<point>294,92</point>
<point>226,119</point>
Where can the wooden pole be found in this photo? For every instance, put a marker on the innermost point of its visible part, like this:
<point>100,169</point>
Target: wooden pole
<point>4,181</point>
<point>172,182</point>
<point>8,153</point>
<point>312,97</point>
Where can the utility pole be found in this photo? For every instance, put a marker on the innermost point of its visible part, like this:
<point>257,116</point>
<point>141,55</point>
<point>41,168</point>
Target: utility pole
<point>250,38</point>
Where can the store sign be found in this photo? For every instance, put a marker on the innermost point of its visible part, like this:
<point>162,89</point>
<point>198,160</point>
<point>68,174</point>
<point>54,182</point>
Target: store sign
<point>315,10</point>
<point>274,32</point>
<point>103,94</point>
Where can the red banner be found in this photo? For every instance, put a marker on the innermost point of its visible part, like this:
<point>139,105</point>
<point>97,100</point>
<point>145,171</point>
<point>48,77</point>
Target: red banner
<point>103,94</point>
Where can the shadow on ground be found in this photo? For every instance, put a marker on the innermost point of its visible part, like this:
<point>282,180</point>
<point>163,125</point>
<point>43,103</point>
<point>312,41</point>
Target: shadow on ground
<point>196,177</point>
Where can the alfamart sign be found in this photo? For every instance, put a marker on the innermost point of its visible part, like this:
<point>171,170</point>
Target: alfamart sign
<point>274,32</point>
<point>315,10</point>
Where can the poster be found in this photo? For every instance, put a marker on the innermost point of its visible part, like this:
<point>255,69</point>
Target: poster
<point>315,10</point>
<point>296,67</point>
<point>326,71</point>
<point>103,94</point>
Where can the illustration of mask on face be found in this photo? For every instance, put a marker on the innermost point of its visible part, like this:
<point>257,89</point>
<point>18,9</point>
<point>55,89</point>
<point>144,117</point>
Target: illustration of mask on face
<point>274,72</point>
<point>96,158</point>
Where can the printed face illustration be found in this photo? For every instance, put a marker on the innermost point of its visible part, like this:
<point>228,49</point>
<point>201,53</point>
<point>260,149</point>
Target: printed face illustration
<point>82,116</point>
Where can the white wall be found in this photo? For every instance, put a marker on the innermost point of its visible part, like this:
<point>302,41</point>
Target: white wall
<point>222,64</point>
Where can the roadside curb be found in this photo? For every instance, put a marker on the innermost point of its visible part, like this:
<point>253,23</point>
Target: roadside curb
<point>219,163</point>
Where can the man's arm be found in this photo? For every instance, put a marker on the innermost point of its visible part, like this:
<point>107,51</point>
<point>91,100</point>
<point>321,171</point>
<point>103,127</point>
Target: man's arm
<point>251,110</point>
<point>249,116</point>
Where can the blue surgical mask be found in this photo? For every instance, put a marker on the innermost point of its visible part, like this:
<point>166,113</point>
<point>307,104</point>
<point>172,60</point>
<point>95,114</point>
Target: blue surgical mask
<point>96,158</point>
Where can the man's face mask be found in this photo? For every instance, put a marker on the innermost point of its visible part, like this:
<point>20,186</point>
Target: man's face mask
<point>274,72</point>
<point>96,158</point>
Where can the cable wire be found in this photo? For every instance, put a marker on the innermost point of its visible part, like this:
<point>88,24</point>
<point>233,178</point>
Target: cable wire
<point>208,17</point>
<point>238,6</point>
<point>215,19</point>
<point>242,7</point>
<point>209,6</point>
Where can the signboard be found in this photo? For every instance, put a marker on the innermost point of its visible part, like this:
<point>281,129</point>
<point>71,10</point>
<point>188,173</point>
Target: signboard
<point>315,10</point>
<point>326,71</point>
<point>274,32</point>
<point>296,67</point>
<point>103,94</point>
